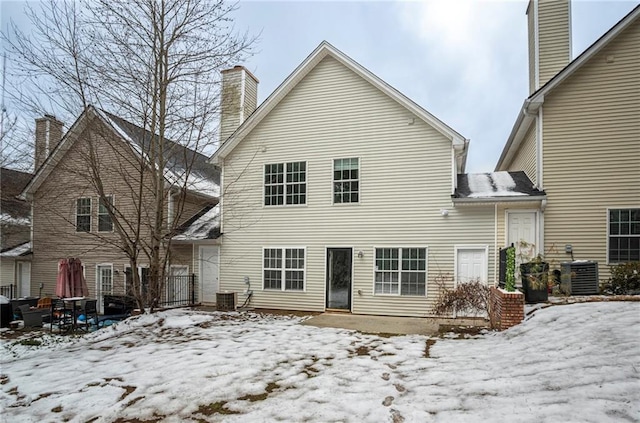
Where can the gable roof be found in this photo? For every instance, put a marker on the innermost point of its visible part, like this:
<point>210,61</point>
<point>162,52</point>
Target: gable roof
<point>203,178</point>
<point>323,50</point>
<point>534,101</point>
<point>496,186</point>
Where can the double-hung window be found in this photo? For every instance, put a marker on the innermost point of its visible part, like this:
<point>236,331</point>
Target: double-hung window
<point>105,224</point>
<point>83,214</point>
<point>346,181</point>
<point>284,269</point>
<point>401,271</point>
<point>624,235</point>
<point>285,184</point>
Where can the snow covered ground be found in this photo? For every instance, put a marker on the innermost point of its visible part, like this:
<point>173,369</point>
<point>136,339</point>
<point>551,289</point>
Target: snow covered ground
<point>570,363</point>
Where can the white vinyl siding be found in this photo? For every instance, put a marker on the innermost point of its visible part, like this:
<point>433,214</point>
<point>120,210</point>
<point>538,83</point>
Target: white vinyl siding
<point>592,151</point>
<point>554,38</point>
<point>331,114</point>
<point>526,157</point>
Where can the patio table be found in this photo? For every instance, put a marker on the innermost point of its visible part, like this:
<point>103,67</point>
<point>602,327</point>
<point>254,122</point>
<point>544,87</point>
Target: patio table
<point>74,307</point>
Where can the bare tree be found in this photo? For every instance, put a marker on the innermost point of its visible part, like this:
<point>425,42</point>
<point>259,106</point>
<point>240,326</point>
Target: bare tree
<point>155,63</point>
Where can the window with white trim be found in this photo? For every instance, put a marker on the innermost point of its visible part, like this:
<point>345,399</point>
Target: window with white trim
<point>624,235</point>
<point>105,224</point>
<point>284,264</point>
<point>83,214</point>
<point>346,181</point>
<point>401,271</point>
<point>285,184</point>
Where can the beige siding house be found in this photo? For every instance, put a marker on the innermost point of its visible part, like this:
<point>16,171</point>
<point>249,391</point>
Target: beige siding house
<point>69,219</point>
<point>337,195</point>
<point>578,138</point>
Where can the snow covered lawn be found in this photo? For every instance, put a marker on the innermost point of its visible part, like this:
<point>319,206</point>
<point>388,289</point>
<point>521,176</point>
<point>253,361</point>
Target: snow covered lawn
<point>572,363</point>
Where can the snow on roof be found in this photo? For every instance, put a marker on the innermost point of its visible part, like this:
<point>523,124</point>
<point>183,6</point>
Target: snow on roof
<point>201,176</point>
<point>17,251</point>
<point>7,219</point>
<point>205,225</point>
<point>495,184</point>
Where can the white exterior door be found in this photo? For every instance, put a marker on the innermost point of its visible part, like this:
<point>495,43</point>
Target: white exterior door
<point>23,277</point>
<point>208,256</point>
<point>522,233</point>
<point>471,265</point>
<point>104,284</point>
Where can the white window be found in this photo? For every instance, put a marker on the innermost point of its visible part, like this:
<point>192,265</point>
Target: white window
<point>401,271</point>
<point>105,224</point>
<point>346,181</point>
<point>624,235</point>
<point>83,215</point>
<point>284,264</point>
<point>285,183</point>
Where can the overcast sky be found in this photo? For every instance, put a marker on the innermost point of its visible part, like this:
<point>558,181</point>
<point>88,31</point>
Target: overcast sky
<point>465,61</point>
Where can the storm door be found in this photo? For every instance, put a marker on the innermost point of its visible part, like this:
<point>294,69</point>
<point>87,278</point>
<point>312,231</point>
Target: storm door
<point>339,262</point>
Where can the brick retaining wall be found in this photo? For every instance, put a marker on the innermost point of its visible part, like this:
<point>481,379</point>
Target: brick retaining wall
<point>507,308</point>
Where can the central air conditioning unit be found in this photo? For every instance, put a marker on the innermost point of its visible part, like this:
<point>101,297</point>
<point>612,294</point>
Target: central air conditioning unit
<point>580,277</point>
<point>226,301</point>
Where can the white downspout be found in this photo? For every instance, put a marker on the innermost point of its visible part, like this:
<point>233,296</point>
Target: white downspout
<point>539,156</point>
<point>496,258</point>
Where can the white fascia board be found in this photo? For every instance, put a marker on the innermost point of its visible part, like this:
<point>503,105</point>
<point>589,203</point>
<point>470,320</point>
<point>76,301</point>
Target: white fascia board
<point>492,200</point>
<point>323,50</point>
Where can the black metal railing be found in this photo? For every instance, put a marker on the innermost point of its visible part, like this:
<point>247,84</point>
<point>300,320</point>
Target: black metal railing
<point>179,290</point>
<point>8,291</point>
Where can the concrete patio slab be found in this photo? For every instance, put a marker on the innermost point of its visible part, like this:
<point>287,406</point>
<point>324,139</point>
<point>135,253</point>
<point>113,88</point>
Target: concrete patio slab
<point>382,324</point>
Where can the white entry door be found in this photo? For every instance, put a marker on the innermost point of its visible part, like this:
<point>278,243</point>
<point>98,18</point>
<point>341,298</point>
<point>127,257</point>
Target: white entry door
<point>471,265</point>
<point>209,259</point>
<point>522,233</point>
<point>23,277</point>
<point>104,284</point>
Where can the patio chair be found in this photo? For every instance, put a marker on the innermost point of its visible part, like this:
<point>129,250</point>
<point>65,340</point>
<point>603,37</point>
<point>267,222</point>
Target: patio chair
<point>32,318</point>
<point>90,311</point>
<point>44,302</point>
<point>61,316</point>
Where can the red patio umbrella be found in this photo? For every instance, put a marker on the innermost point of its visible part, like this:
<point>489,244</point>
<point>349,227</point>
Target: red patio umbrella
<point>77,281</point>
<point>71,281</point>
<point>63,290</point>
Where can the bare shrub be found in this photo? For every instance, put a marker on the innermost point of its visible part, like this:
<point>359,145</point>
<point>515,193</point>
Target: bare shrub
<point>469,299</point>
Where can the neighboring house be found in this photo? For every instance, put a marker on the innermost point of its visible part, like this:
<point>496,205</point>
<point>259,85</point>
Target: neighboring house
<point>70,221</point>
<point>577,137</point>
<point>15,234</point>
<point>339,194</point>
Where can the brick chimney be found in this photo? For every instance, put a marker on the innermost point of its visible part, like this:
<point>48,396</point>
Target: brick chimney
<point>48,135</point>
<point>239,99</point>
<point>549,24</point>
